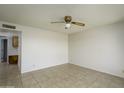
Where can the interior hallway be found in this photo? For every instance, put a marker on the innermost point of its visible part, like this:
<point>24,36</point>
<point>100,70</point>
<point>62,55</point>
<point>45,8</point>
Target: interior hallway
<point>62,76</point>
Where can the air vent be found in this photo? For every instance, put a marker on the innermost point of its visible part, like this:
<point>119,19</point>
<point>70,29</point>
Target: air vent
<point>8,26</point>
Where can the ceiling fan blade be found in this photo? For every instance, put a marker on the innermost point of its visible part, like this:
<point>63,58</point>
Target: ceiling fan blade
<point>78,23</point>
<point>58,22</point>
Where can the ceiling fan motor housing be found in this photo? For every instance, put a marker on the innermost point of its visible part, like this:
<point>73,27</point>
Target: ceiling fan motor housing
<point>68,19</point>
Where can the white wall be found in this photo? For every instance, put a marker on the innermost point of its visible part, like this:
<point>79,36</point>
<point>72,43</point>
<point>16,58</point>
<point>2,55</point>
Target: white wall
<point>100,49</point>
<point>42,48</point>
<point>11,49</point>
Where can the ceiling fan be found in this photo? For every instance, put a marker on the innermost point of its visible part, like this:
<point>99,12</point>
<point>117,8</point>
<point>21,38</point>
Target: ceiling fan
<point>68,21</point>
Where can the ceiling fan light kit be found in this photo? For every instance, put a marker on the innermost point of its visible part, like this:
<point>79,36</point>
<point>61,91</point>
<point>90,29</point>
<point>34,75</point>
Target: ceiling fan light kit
<point>67,25</point>
<point>68,21</point>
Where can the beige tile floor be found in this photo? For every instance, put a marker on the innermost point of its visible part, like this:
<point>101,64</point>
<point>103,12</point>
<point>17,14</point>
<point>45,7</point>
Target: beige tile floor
<point>62,76</point>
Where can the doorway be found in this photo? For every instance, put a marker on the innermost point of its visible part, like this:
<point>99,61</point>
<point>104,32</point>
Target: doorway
<point>4,50</point>
<point>10,47</point>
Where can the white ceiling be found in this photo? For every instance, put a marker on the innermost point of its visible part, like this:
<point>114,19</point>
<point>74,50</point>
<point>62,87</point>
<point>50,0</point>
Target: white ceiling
<point>41,15</point>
